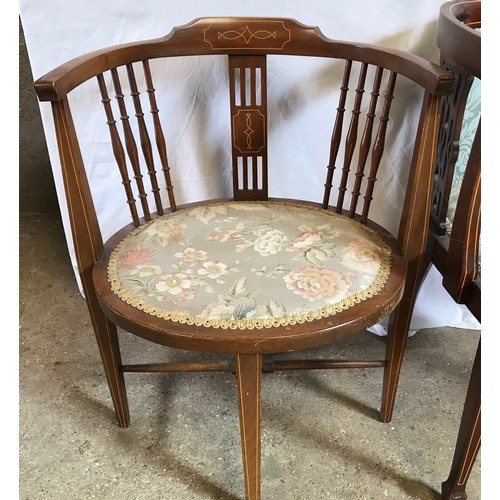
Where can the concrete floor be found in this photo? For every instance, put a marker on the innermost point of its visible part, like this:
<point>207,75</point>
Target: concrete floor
<point>321,434</point>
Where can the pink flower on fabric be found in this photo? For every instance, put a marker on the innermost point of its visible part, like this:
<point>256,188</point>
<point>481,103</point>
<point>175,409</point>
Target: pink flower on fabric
<point>191,255</point>
<point>318,283</point>
<point>306,240</point>
<point>136,257</point>
<point>185,296</point>
<point>234,234</point>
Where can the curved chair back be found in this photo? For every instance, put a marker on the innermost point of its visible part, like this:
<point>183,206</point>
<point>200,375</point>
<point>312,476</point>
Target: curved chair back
<point>456,207</point>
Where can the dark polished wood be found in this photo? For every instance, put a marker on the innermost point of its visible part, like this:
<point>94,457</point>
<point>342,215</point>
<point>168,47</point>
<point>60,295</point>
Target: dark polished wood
<point>248,377</point>
<point>456,253</point>
<point>468,439</point>
<point>247,42</point>
<point>88,246</point>
<point>412,243</point>
<point>191,40</point>
<point>248,98</point>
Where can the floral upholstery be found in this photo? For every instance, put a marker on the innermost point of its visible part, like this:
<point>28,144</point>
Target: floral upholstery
<point>472,114</point>
<point>248,265</point>
<point>470,122</point>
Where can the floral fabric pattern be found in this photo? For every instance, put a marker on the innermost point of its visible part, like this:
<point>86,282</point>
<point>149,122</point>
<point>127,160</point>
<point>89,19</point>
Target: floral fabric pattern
<point>248,265</point>
<point>470,122</point>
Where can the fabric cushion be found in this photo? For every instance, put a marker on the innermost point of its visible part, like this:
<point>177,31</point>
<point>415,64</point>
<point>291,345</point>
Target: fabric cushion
<point>470,122</point>
<point>248,265</point>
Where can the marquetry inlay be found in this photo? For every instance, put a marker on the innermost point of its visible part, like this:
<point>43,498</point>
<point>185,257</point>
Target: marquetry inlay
<point>252,123</point>
<point>251,35</point>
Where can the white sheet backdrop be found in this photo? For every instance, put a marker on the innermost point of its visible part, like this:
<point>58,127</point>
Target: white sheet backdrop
<point>58,30</point>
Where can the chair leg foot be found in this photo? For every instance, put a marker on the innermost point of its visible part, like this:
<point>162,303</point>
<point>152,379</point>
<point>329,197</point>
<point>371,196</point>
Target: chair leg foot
<point>468,439</point>
<point>111,359</point>
<point>448,494</point>
<point>248,375</point>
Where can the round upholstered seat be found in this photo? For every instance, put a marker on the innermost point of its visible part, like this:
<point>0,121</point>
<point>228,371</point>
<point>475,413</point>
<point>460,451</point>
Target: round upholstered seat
<point>247,265</point>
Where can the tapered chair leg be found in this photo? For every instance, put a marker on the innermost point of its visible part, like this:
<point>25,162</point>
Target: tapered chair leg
<point>109,349</point>
<point>248,375</point>
<point>469,437</point>
<point>88,247</point>
<point>397,335</point>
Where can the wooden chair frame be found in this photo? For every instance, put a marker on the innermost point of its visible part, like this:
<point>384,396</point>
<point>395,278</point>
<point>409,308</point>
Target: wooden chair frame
<point>456,255</point>
<point>247,42</point>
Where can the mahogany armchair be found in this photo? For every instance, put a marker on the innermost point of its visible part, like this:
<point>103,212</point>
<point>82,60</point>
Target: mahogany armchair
<point>250,276</point>
<point>454,235</point>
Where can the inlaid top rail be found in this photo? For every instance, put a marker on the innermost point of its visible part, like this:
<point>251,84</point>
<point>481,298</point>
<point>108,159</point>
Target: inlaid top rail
<point>239,35</point>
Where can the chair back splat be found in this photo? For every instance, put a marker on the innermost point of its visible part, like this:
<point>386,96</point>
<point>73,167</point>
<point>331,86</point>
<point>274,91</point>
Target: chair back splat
<point>253,274</point>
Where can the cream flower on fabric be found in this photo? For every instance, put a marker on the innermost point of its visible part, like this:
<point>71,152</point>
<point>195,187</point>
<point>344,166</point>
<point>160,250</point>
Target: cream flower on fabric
<point>270,243</point>
<point>212,270</point>
<point>362,256</point>
<point>145,270</point>
<point>205,213</point>
<point>218,311</point>
<point>191,255</point>
<point>237,308</point>
<point>173,283</point>
<point>318,283</point>
<point>166,232</point>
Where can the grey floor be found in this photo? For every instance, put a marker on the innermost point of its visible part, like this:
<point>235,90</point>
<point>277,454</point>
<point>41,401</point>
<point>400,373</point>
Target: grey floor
<point>321,433</point>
